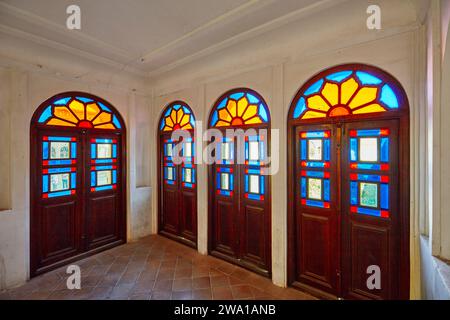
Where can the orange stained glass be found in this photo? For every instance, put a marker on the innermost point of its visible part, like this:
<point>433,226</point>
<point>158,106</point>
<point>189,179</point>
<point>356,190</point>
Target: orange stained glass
<point>239,108</point>
<point>344,93</point>
<point>79,111</point>
<point>177,115</point>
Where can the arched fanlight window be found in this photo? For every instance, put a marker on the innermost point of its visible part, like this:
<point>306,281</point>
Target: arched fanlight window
<point>79,110</point>
<point>177,115</point>
<point>346,92</point>
<point>239,107</point>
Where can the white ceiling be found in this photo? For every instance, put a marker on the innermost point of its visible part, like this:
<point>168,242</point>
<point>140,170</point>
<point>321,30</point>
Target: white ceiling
<point>150,36</point>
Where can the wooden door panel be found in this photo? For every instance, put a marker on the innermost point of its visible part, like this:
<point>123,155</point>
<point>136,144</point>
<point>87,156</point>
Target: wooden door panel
<point>369,247</point>
<point>315,258</point>
<point>188,208</point>
<point>103,220</point>
<point>225,228</point>
<point>170,211</point>
<point>59,231</point>
<point>254,241</point>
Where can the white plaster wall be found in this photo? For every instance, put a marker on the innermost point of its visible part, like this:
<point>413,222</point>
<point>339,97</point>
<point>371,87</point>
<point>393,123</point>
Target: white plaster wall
<point>27,90</point>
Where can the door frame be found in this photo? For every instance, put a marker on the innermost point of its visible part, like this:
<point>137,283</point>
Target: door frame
<point>402,115</point>
<point>35,127</point>
<point>212,194</point>
<point>159,136</point>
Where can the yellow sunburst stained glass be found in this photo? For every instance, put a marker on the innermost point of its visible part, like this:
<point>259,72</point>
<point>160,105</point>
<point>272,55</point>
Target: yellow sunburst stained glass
<point>79,111</point>
<point>177,116</point>
<point>344,93</point>
<point>239,108</point>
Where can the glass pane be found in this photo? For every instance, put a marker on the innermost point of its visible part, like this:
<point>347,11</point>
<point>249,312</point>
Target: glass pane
<point>104,150</point>
<point>59,182</point>
<point>226,151</point>
<point>59,150</point>
<point>253,150</point>
<point>188,175</point>
<point>224,181</point>
<point>368,194</point>
<point>368,149</point>
<point>104,178</point>
<point>315,149</point>
<point>188,149</point>
<point>254,184</point>
<point>315,189</point>
<point>169,173</point>
<point>169,147</point>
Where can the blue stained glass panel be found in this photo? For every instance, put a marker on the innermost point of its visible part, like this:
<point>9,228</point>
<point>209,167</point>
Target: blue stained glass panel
<point>73,151</point>
<point>326,149</point>
<point>93,151</point>
<point>45,115</point>
<point>103,161</point>
<point>315,203</point>
<point>214,118</point>
<point>222,103</point>
<point>368,166</point>
<point>315,134</point>
<point>62,101</point>
<point>354,193</point>
<point>104,168</point>
<point>93,179</point>
<point>104,108</point>
<point>73,180</point>
<point>303,149</point>
<point>368,132</point>
<point>246,183</point>
<point>263,113</point>
<point>384,190</point>
<point>103,141</point>
<point>300,107</point>
<point>314,88</point>
<point>114,177</point>
<point>253,196</point>
<point>45,183</point>
<point>59,170</point>
<point>53,138</point>
<point>303,187</point>
<point>388,97</point>
<point>370,212</point>
<point>369,177</point>
<point>59,194</point>
<point>237,95</point>
<point>315,174</point>
<point>252,99</point>
<point>103,188</point>
<point>367,79</point>
<point>326,189</point>
<point>261,187</point>
<point>116,122</point>
<point>339,76</point>
<point>86,100</point>
<point>315,164</point>
<point>59,162</point>
<point>384,150</point>
<point>45,150</point>
<point>353,149</point>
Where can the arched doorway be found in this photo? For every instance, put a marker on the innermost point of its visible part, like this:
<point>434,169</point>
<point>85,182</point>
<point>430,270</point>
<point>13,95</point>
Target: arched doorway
<point>348,185</point>
<point>78,180</point>
<point>239,191</point>
<point>177,181</point>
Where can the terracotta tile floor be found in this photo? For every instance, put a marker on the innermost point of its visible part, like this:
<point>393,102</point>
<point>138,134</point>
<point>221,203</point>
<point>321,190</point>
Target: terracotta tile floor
<point>154,268</point>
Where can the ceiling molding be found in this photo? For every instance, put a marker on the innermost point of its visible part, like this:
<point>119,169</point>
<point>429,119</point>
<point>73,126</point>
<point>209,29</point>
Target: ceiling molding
<point>271,25</point>
<point>69,49</point>
<point>73,35</point>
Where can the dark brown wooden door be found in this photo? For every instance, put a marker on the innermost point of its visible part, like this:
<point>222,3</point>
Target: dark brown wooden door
<point>77,195</point>
<point>347,209</point>
<point>178,202</point>
<point>240,194</point>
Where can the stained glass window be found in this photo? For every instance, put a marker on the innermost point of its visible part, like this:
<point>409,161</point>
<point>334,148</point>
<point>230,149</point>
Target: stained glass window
<point>224,181</point>
<point>177,115</point>
<point>79,111</point>
<point>315,162</point>
<point>240,107</point>
<point>59,161</point>
<point>103,164</point>
<point>345,93</point>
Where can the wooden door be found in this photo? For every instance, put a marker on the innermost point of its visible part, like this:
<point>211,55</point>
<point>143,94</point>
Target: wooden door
<point>347,217</point>
<point>370,202</point>
<point>103,191</point>
<point>178,203</point>
<point>57,198</point>
<point>318,209</point>
<point>240,193</point>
